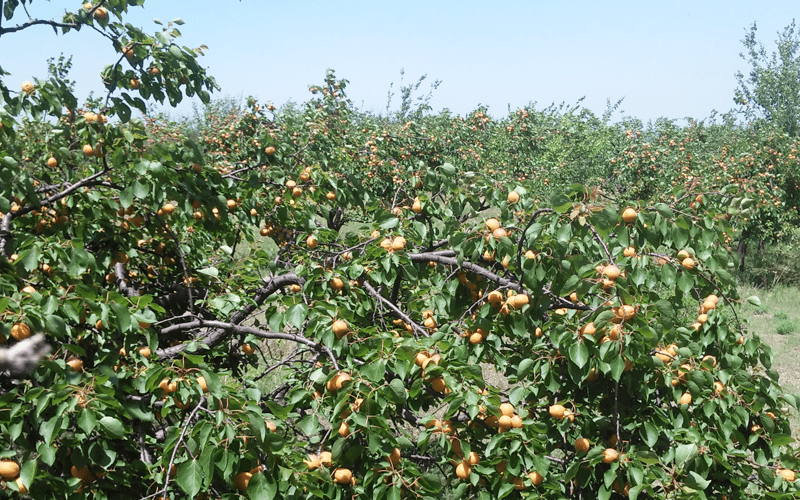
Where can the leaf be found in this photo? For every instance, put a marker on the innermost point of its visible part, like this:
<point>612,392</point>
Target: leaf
<point>398,390</point>
<point>296,315</point>
<point>649,433</point>
<point>684,453</point>
<point>113,427</point>
<point>753,299</point>
<point>696,481</point>
<point>375,371</point>
<point>579,354</point>
<point>524,368</point>
<point>561,203</point>
<point>190,477</point>
<point>448,169</point>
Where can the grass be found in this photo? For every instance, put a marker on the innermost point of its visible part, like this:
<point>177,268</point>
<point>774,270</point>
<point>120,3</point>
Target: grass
<point>777,322</point>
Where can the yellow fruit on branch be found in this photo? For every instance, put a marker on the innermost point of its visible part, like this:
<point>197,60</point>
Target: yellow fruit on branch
<point>686,399</point>
<point>582,445</point>
<point>610,455</point>
<point>513,197</point>
<point>340,328</point>
<point>535,478</point>
<point>75,364</point>
<point>463,470</point>
<point>629,215</point>
<point>20,331</point>
<point>688,263</point>
<point>557,411</point>
<point>492,224</point>
<point>311,241</point>
<point>394,457</point>
<point>342,476</point>
<point>612,272</point>
<point>787,474</point>
<point>28,87</point>
<point>84,474</point>
<point>242,479</point>
<point>313,462</point>
<point>507,409</point>
<point>9,469</point>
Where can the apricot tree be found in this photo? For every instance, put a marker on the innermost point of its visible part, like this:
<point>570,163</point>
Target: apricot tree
<point>429,327</point>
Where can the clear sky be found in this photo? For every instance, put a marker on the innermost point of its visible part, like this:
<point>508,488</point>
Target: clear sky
<point>670,59</point>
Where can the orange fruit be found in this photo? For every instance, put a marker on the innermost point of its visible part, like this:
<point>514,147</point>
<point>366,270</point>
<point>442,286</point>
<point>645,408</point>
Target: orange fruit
<point>88,150</point>
<point>629,252</point>
<point>582,445</point>
<point>52,162</point>
<point>248,348</point>
<point>629,215</point>
<point>612,272</point>
<point>28,88</point>
<point>557,411</point>
<point>242,479</point>
<point>788,475</point>
<point>492,224</point>
<point>342,476</point>
<point>507,409</point>
<point>313,462</point>
<point>311,241</point>
<point>75,364</point>
<point>688,263</point>
<point>686,399</point>
<point>9,469</point>
<point>340,328</point>
<point>394,457</point>
<point>513,197</point>
<point>270,150</point>
<point>610,455</point>
<point>463,470</point>
<point>20,331</point>
<point>535,478</point>
<point>201,381</point>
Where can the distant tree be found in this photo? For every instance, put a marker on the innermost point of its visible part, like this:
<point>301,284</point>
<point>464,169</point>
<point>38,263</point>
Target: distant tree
<point>772,86</point>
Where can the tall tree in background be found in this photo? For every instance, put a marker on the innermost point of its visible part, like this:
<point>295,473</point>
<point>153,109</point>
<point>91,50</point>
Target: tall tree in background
<point>772,87</point>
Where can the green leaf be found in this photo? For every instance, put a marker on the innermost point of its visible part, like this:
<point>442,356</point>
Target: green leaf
<point>375,371</point>
<point>684,453</point>
<point>579,354</point>
<point>524,368</point>
<point>448,169</point>
<point>296,315</point>
<point>113,427</point>
<point>753,299</point>
<point>190,477</point>
<point>561,203</point>
<point>696,481</point>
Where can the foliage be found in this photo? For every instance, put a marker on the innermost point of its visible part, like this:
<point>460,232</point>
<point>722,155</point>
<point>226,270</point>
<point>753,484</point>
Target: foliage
<point>466,320</point>
<point>772,86</point>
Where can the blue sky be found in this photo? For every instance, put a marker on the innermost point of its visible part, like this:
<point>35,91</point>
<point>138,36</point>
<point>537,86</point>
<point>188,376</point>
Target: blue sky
<point>666,59</point>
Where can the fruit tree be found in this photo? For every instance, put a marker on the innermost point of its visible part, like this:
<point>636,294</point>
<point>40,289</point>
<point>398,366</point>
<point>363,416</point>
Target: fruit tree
<point>321,303</point>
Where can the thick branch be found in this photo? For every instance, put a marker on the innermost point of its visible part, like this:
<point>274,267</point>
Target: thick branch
<point>220,328</point>
<point>444,258</point>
